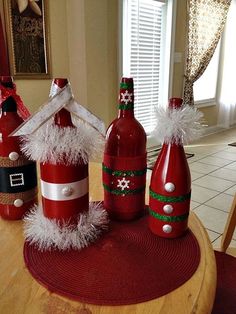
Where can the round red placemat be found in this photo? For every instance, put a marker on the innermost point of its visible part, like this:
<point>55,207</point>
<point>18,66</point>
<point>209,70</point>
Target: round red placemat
<point>126,265</point>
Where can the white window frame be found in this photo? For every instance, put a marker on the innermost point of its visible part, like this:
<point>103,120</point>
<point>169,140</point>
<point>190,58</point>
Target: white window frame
<point>210,102</point>
<point>166,81</point>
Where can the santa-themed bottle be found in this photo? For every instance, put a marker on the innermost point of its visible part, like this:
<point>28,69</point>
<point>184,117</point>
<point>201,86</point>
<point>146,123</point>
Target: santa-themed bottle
<point>18,179</point>
<point>64,186</point>
<point>170,187</point>
<point>124,162</point>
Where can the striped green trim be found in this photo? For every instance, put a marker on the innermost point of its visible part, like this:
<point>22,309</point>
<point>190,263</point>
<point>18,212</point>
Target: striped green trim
<point>126,86</point>
<point>126,107</point>
<point>123,173</point>
<point>125,192</point>
<point>169,199</point>
<point>168,218</point>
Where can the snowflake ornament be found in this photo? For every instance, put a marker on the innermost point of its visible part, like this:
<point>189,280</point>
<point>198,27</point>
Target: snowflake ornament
<point>126,97</point>
<point>123,184</point>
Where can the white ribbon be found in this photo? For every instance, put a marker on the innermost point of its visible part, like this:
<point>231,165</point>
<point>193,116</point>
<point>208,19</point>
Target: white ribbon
<point>59,191</point>
<point>61,97</point>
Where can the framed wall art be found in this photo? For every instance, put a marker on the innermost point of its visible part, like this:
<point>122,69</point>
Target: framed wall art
<point>27,32</point>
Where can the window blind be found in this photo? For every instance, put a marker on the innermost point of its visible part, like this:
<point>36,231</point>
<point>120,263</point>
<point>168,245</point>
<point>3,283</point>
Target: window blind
<point>143,30</point>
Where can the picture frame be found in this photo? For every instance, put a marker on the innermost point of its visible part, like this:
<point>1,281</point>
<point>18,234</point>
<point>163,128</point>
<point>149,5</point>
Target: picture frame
<point>27,33</point>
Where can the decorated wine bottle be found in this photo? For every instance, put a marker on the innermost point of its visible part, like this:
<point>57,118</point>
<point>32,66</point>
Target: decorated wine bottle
<point>62,146</point>
<point>64,186</point>
<point>18,179</point>
<point>124,162</point>
<point>170,187</point>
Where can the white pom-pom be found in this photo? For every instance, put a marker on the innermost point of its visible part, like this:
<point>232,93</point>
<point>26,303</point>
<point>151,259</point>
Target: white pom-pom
<point>178,125</point>
<point>67,145</point>
<point>48,234</point>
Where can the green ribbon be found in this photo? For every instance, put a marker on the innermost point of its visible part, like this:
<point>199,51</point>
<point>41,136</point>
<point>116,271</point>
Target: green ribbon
<point>126,107</point>
<point>168,218</point>
<point>126,85</point>
<point>124,192</point>
<point>169,199</point>
<point>123,173</point>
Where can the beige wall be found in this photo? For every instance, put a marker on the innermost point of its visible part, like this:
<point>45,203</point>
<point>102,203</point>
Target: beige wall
<point>84,47</point>
<point>93,46</point>
<point>180,39</point>
<point>77,49</point>
<point>210,115</point>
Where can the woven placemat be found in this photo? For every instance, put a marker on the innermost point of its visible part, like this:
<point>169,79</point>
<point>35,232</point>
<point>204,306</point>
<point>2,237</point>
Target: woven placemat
<point>126,265</point>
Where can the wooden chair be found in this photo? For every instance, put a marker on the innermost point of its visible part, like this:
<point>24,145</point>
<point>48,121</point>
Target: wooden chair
<point>229,231</point>
<point>226,268</point>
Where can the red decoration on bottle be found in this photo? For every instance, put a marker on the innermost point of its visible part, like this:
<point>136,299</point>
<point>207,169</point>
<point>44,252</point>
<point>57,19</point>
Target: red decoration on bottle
<point>124,163</point>
<point>170,189</point>
<point>64,187</point>
<point>64,210</point>
<point>17,194</point>
<point>7,89</point>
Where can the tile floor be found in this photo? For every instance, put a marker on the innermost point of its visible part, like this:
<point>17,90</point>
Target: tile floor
<point>213,171</point>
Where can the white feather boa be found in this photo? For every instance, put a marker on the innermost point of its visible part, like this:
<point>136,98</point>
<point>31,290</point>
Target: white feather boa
<point>48,234</point>
<point>67,145</point>
<point>178,125</point>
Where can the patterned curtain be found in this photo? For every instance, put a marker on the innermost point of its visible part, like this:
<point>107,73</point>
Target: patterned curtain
<point>4,65</point>
<point>205,25</point>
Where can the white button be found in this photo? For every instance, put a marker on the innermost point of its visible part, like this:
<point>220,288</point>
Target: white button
<point>167,228</point>
<point>67,191</point>
<point>168,209</point>
<point>14,156</point>
<point>169,187</point>
<point>18,202</point>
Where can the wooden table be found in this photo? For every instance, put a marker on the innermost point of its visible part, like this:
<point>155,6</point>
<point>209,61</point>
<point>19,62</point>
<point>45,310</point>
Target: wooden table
<point>20,293</point>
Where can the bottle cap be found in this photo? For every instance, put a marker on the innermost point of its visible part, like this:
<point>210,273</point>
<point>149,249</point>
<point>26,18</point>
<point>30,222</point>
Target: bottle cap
<point>127,83</point>
<point>175,102</point>
<point>61,82</point>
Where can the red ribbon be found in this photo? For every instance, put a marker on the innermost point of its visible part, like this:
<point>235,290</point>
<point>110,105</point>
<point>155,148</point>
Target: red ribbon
<point>21,108</point>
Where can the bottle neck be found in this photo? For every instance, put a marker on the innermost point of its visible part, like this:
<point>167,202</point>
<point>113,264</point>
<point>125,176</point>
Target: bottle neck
<point>7,82</point>
<point>9,106</point>
<point>126,113</point>
<point>8,85</point>
<point>174,145</point>
<point>7,102</point>
<point>126,99</point>
<point>175,103</point>
<point>63,118</point>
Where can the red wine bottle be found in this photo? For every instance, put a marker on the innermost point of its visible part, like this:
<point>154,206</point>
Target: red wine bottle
<point>124,162</point>
<point>170,188</point>
<point>18,179</point>
<point>64,187</point>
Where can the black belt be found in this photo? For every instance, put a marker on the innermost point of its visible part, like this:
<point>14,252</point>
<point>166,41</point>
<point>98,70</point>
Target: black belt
<point>18,179</point>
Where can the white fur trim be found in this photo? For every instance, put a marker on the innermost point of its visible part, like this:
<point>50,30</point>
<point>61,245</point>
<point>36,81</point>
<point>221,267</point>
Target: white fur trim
<point>179,125</point>
<point>55,144</point>
<point>48,234</point>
